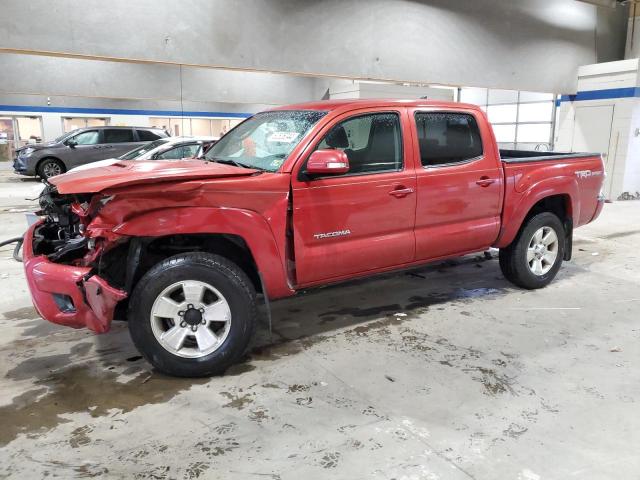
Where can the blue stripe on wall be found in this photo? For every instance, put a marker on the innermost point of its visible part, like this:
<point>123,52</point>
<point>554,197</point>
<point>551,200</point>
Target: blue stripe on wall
<point>606,94</point>
<point>120,111</point>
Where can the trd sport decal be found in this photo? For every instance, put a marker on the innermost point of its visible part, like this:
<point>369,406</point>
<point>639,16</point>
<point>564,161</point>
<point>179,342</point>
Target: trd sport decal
<point>339,233</point>
<point>587,173</point>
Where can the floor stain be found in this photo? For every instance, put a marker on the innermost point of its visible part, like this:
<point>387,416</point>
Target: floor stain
<point>515,430</point>
<point>81,389</point>
<point>25,313</point>
<point>364,312</point>
<point>493,383</point>
<point>80,436</point>
<point>237,401</point>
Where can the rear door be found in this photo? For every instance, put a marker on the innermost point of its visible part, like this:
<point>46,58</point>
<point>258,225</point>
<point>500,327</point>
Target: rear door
<point>362,220</point>
<point>460,184</point>
<point>117,141</point>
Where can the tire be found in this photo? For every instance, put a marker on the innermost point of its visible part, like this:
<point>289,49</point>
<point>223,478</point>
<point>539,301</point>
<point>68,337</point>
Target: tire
<point>157,295</point>
<point>528,262</point>
<point>50,167</point>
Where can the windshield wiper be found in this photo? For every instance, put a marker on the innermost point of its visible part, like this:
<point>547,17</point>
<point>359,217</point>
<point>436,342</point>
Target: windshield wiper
<point>228,161</point>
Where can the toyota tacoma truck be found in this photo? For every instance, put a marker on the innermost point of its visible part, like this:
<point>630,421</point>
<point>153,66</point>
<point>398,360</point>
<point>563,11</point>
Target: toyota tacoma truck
<point>292,198</point>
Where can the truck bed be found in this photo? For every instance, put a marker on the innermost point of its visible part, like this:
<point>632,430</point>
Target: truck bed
<point>515,156</point>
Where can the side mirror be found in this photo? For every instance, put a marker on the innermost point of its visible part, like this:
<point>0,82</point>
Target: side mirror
<point>327,162</point>
<point>71,143</point>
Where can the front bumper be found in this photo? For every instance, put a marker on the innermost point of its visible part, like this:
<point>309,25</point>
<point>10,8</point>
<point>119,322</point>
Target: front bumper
<point>21,166</point>
<point>66,294</point>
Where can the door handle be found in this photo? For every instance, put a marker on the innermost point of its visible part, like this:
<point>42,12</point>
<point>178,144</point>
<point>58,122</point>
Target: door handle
<point>401,192</point>
<point>485,181</point>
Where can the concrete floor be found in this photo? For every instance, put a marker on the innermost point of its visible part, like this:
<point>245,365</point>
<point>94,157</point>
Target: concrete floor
<point>448,372</point>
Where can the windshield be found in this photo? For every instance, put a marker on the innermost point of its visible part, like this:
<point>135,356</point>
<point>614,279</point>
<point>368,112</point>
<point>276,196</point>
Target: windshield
<point>65,135</point>
<point>265,140</point>
<point>140,151</point>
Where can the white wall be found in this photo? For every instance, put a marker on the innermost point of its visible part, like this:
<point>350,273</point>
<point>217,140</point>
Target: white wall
<point>624,143</point>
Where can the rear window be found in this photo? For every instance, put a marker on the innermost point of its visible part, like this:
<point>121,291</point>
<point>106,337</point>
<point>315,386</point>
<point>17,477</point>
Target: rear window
<point>121,135</point>
<point>148,135</point>
<point>447,137</point>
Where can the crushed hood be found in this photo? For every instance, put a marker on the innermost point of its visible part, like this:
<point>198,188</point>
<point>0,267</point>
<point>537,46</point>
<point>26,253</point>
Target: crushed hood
<point>137,172</point>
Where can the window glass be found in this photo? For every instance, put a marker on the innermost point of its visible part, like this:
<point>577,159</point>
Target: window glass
<point>183,151</point>
<point>143,150</point>
<point>87,138</point>
<point>447,137</point>
<point>535,96</point>
<point>73,123</point>
<point>30,129</point>
<point>502,96</point>
<point>502,113</point>
<point>147,135</point>
<point>96,122</point>
<point>505,133</point>
<point>265,140</point>
<point>190,150</point>
<point>534,132</point>
<point>373,143</point>
<point>121,135</point>
<point>535,112</point>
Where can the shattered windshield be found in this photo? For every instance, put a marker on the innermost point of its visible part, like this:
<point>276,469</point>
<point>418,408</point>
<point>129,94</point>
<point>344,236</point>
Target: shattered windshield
<point>265,140</point>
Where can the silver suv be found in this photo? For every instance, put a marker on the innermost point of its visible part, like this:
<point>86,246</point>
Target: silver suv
<point>81,146</point>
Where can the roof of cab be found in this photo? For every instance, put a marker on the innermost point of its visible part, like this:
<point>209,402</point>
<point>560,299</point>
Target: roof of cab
<point>347,104</point>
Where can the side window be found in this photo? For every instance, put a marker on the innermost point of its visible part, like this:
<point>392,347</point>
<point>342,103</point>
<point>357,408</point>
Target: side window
<point>191,150</point>
<point>373,143</point>
<point>183,151</point>
<point>447,137</point>
<point>120,135</point>
<point>147,135</point>
<point>89,137</point>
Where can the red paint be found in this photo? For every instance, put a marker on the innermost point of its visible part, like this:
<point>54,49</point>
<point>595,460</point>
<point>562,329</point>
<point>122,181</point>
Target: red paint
<point>343,226</point>
<point>46,278</point>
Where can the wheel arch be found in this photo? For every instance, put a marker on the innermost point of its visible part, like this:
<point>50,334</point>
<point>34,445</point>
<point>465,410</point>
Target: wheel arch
<point>554,195</point>
<point>243,236</point>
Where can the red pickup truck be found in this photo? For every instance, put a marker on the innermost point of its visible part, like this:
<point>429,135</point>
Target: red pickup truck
<point>292,198</point>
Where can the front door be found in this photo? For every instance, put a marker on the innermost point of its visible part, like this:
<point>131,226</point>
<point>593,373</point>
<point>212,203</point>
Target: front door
<point>592,133</point>
<point>362,220</point>
<point>459,184</point>
<point>86,149</point>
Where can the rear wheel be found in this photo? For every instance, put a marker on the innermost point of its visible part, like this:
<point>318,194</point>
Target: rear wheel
<point>193,314</point>
<point>534,257</point>
<point>50,167</point>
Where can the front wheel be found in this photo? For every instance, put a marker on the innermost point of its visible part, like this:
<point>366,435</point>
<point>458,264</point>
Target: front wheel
<point>534,257</point>
<point>193,314</point>
<point>50,167</point>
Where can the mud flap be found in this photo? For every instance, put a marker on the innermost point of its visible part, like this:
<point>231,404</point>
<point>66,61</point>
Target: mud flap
<point>568,239</point>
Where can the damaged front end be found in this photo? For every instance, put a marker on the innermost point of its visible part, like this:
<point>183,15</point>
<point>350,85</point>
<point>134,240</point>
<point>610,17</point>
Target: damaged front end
<point>62,262</point>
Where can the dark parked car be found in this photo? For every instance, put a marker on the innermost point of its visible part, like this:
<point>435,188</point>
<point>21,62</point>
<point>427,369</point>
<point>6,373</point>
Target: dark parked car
<point>84,145</point>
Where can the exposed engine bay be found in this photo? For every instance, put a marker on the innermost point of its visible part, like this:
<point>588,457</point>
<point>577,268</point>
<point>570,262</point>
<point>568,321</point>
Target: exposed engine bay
<point>60,237</point>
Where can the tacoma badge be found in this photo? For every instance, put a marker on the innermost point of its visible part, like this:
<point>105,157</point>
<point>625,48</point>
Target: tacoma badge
<point>339,233</point>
